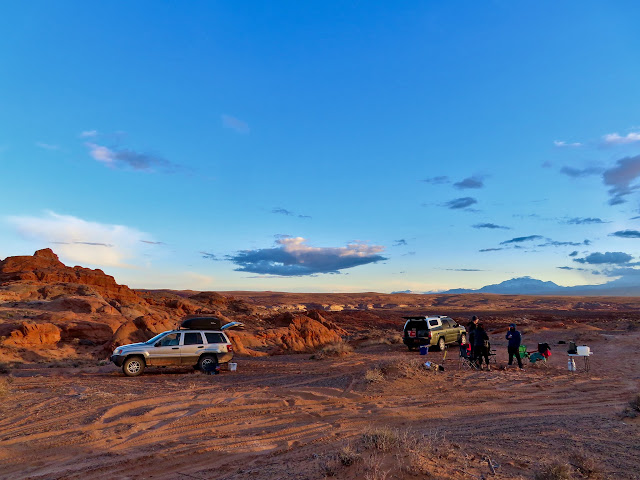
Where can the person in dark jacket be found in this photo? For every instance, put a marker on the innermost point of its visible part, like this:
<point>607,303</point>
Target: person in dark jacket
<point>481,346</point>
<point>471,331</point>
<point>515,339</point>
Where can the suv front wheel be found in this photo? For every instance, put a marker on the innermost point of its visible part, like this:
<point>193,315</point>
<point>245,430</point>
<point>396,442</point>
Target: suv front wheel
<point>133,366</point>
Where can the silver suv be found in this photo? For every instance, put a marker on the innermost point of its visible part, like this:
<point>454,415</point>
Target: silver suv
<point>204,348</point>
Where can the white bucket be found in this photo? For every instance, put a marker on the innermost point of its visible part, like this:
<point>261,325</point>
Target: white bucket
<point>233,367</point>
<point>584,350</point>
<point>571,365</point>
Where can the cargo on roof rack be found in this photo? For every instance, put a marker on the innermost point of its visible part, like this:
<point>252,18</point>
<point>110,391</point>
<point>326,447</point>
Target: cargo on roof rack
<point>201,323</point>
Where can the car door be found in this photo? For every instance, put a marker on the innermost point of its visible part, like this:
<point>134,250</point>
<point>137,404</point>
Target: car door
<point>450,333</point>
<point>166,351</point>
<point>192,347</point>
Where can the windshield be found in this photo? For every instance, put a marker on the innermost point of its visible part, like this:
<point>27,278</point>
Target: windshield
<point>155,339</point>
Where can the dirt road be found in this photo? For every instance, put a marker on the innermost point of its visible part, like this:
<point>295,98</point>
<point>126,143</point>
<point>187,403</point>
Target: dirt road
<point>294,417</point>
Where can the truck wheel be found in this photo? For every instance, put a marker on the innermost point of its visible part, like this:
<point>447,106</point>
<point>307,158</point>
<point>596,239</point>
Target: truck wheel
<point>463,339</point>
<point>133,366</point>
<point>441,344</point>
<point>207,363</point>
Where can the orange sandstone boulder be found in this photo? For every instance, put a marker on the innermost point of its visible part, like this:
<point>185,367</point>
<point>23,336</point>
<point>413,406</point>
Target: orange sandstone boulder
<point>34,335</point>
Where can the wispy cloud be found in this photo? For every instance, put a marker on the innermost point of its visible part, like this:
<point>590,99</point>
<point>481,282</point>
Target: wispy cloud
<point>584,221</point>
<point>288,213</point>
<point>626,234</point>
<point>208,256</point>
<point>612,139</point>
<point>47,146</point>
<point>293,257</point>
<point>491,226</point>
<point>89,134</point>
<point>619,179</point>
<point>400,243</point>
<point>613,258</point>
<point>574,253</point>
<point>470,182</point>
<point>572,268</point>
<point>490,250</point>
<point>463,270</point>
<point>556,243</point>
<point>119,158</point>
<point>235,124</point>
<point>579,173</point>
<point>459,203</point>
<point>150,242</point>
<point>521,239</point>
<point>437,180</point>
<point>562,144</point>
<point>81,241</point>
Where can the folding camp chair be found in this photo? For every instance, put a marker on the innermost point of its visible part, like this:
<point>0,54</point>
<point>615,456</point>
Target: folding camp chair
<point>541,355</point>
<point>523,352</point>
<point>465,360</point>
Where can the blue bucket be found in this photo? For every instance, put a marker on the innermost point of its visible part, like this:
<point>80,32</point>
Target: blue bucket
<point>424,349</point>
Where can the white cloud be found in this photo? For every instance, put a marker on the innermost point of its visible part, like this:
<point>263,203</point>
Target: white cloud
<point>47,146</point>
<point>102,154</point>
<point>89,133</point>
<point>616,139</point>
<point>235,124</point>
<point>562,144</point>
<point>81,241</point>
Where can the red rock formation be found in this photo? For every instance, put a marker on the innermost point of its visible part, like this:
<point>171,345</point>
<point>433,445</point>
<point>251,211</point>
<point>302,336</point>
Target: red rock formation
<point>44,267</point>
<point>34,335</point>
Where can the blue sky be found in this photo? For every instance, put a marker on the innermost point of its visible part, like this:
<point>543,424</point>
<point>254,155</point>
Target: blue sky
<point>323,146</point>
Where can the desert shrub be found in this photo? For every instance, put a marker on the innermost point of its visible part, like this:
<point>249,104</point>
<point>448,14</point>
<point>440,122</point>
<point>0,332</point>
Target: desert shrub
<point>586,465</point>
<point>374,470</point>
<point>5,388</point>
<point>348,456</point>
<point>410,368</point>
<point>336,349</point>
<point>374,375</point>
<point>633,408</point>
<point>329,467</point>
<point>381,438</point>
<point>555,471</point>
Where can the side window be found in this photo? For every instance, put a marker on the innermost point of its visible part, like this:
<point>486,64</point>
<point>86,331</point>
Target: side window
<point>433,323</point>
<point>215,338</point>
<point>447,322</point>
<point>193,338</point>
<point>169,340</point>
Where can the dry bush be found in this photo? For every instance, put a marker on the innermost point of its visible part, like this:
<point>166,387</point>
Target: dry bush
<point>374,375</point>
<point>5,388</point>
<point>411,368</point>
<point>382,338</point>
<point>329,467</point>
<point>633,409</point>
<point>373,468</point>
<point>348,456</point>
<point>555,471</point>
<point>337,349</point>
<point>381,438</point>
<point>586,465</point>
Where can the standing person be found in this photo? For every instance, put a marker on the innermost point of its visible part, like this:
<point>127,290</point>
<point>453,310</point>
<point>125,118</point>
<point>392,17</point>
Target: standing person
<point>481,346</point>
<point>513,348</point>
<point>471,331</point>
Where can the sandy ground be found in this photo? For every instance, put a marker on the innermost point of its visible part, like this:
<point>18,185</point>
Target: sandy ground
<point>292,416</point>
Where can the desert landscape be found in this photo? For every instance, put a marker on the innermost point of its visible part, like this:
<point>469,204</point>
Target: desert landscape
<point>324,387</point>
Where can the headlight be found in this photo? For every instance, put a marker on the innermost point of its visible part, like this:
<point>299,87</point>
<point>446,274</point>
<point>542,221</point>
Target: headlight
<point>117,351</point>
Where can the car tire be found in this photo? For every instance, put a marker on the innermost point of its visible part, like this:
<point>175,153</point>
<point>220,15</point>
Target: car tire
<point>463,339</point>
<point>441,344</point>
<point>133,366</point>
<point>205,362</point>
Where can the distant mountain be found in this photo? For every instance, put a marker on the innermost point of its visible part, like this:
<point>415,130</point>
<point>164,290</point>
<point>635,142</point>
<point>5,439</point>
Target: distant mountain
<point>531,286</point>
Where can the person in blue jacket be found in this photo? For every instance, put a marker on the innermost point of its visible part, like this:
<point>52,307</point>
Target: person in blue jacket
<point>513,348</point>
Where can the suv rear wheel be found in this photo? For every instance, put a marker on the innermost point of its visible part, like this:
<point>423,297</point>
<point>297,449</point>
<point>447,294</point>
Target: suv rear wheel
<point>133,366</point>
<point>441,344</point>
<point>207,363</point>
